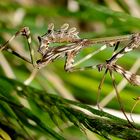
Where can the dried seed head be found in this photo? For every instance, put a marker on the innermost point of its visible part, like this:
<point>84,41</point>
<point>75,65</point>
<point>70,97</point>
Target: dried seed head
<point>25,31</point>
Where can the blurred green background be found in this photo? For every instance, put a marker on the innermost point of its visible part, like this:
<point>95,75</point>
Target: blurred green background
<point>93,19</point>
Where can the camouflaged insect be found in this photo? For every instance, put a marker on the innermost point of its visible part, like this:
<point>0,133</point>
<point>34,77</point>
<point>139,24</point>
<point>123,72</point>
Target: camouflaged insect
<point>72,46</point>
